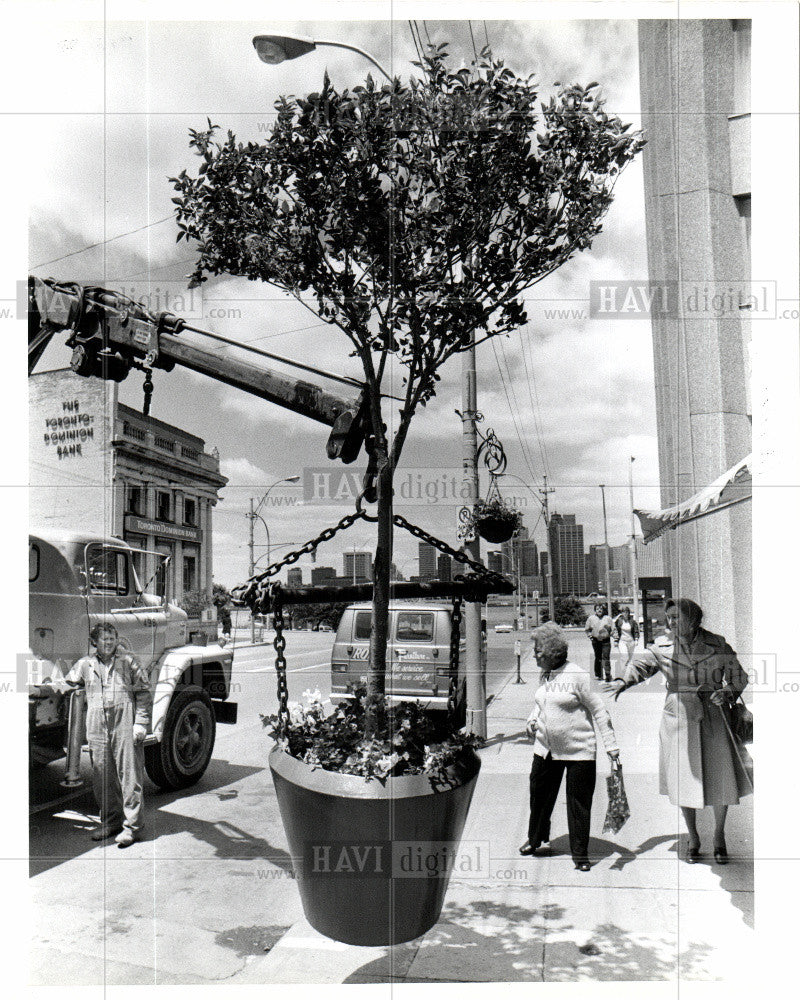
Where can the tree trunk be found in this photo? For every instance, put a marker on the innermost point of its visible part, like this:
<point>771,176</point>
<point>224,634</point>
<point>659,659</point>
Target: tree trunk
<point>376,681</point>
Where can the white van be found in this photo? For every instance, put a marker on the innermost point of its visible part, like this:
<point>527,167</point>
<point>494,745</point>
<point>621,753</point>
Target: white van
<point>417,656</point>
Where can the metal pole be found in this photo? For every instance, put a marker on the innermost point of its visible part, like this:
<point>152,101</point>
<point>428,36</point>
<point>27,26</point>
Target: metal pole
<point>72,775</point>
<point>252,518</point>
<point>476,681</point>
<point>634,566</point>
<point>551,601</point>
<point>608,554</point>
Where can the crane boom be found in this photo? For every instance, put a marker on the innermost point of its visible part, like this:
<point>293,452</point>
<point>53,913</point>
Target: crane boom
<point>109,334</point>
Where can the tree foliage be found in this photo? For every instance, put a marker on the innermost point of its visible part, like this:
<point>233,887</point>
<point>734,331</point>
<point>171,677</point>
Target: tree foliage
<point>412,217</point>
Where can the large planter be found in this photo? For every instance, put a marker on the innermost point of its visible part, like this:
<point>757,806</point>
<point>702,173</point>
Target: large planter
<point>496,529</point>
<point>372,860</point>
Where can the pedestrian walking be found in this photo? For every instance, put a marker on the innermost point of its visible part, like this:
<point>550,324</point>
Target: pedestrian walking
<point>626,634</point>
<point>562,725</point>
<point>700,763</point>
<point>225,621</point>
<point>119,705</point>
<point>599,627</point>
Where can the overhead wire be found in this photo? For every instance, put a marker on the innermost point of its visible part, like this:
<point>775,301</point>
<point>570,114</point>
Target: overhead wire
<point>530,374</point>
<point>472,36</point>
<point>511,407</point>
<point>102,243</point>
<point>522,438</point>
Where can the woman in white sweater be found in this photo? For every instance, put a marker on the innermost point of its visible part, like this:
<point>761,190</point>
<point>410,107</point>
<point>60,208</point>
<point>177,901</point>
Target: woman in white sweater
<point>562,726</point>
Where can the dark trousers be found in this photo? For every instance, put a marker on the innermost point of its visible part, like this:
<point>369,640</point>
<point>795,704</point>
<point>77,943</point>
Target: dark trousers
<point>602,658</point>
<point>545,782</point>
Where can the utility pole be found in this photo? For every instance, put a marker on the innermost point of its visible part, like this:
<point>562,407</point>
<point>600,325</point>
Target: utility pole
<point>251,545</point>
<point>476,682</point>
<point>544,491</point>
<point>634,567</point>
<point>608,553</point>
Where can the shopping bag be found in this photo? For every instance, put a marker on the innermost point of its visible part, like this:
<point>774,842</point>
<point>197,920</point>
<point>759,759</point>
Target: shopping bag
<point>618,810</point>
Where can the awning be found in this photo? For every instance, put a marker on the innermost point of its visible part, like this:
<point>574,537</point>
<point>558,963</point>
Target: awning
<point>734,486</point>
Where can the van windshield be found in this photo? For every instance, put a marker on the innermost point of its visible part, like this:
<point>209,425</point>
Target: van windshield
<point>414,626</point>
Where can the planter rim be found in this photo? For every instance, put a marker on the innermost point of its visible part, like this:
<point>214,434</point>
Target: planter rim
<point>357,787</point>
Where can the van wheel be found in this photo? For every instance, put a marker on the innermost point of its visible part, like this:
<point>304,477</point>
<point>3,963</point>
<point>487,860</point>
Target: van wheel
<point>183,754</point>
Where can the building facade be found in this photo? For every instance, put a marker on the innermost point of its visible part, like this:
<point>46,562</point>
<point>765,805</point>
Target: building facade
<point>566,550</point>
<point>357,567</point>
<point>427,561</point>
<point>100,466</point>
<point>695,91</point>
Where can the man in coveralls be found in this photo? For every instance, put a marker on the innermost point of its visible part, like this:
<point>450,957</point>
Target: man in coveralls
<point>119,703</point>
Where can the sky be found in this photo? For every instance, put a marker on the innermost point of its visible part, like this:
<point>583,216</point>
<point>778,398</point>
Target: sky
<point>570,397</point>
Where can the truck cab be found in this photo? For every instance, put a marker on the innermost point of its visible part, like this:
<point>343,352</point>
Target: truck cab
<point>77,580</point>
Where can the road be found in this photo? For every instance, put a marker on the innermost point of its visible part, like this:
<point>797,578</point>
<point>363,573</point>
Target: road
<point>60,819</point>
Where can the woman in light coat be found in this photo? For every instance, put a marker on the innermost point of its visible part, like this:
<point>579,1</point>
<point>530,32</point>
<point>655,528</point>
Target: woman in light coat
<point>700,764</point>
<point>562,726</point>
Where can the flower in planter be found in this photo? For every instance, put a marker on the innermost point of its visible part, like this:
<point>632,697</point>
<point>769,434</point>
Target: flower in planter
<point>407,740</point>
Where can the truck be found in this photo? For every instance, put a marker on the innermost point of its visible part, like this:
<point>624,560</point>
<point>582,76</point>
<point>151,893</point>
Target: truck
<point>78,580</point>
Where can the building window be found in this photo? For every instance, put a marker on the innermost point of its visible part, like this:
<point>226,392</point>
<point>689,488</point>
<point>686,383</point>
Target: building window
<point>134,500</point>
<point>163,506</point>
<point>189,573</point>
<point>166,443</point>
<point>190,511</point>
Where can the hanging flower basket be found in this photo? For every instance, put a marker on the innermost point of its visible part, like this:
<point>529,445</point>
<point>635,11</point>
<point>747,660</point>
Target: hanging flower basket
<point>495,521</point>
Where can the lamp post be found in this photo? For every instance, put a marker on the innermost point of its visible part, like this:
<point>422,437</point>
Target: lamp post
<point>634,567</point>
<point>275,49</point>
<point>252,514</point>
<point>608,553</point>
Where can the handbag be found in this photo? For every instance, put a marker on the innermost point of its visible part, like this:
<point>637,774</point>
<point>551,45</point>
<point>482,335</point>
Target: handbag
<point>742,721</point>
<point>618,810</point>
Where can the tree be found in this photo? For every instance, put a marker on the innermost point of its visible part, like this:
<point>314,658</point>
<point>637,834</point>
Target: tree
<point>412,217</point>
<point>568,611</point>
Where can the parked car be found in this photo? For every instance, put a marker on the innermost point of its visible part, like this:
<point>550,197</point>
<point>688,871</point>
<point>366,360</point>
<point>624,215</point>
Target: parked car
<point>417,656</point>
<point>504,627</point>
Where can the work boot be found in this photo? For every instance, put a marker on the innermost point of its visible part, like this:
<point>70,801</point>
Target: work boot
<point>104,832</point>
<point>126,838</point>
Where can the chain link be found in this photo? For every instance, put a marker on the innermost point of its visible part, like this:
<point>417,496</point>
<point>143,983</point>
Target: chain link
<point>455,649</point>
<point>254,590</point>
<point>279,642</point>
<point>461,557</point>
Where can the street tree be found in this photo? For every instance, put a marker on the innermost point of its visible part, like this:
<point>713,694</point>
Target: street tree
<point>412,217</point>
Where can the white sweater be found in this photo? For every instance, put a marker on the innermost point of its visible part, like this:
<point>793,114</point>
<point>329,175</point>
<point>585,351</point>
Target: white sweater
<point>563,710</point>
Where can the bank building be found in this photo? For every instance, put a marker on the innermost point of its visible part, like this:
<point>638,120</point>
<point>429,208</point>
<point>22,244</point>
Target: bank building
<point>99,466</point>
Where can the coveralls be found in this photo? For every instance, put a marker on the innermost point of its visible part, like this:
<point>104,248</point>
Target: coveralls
<point>117,697</point>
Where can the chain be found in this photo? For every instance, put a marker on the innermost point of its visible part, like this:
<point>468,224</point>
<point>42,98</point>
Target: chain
<point>279,643</point>
<point>455,644</point>
<point>254,590</point>
<point>461,557</point>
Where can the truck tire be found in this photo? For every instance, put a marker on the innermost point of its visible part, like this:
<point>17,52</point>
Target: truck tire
<point>183,754</point>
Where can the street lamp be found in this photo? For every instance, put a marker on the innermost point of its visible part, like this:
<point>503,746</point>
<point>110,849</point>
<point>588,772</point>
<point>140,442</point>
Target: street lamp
<point>252,515</point>
<point>274,49</point>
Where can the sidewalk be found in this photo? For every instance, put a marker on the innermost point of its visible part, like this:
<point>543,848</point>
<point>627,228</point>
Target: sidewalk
<point>208,897</point>
<point>640,914</point>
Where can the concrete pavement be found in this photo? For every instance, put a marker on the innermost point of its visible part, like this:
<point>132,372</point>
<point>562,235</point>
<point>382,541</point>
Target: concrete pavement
<point>210,897</point>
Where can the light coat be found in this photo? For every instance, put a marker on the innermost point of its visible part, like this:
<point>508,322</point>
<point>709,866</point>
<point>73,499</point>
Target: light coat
<point>699,764</point>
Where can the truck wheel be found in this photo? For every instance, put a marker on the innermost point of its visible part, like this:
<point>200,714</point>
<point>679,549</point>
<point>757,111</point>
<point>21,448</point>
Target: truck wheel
<point>182,756</point>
